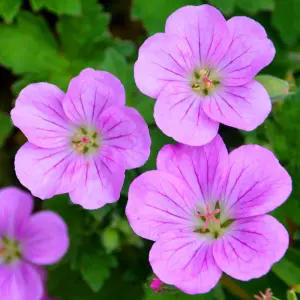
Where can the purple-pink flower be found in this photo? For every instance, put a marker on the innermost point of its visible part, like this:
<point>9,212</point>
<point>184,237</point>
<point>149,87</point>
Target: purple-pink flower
<point>80,142</point>
<point>27,242</point>
<point>201,72</point>
<point>207,210</point>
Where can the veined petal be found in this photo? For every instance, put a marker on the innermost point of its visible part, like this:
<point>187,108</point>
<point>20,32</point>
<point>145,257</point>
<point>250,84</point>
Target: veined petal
<point>186,261</point>
<point>90,93</point>
<point>256,183</point>
<point>15,208</point>
<point>19,282</point>
<point>205,31</point>
<point>202,168</point>
<point>123,129</point>
<point>179,113</point>
<point>250,247</point>
<point>101,180</point>
<point>163,58</point>
<point>48,172</point>
<point>40,116</point>
<point>244,107</point>
<point>45,239</point>
<point>249,52</point>
<point>159,202</point>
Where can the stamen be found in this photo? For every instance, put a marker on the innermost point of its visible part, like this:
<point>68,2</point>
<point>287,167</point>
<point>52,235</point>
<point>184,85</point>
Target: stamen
<point>209,216</point>
<point>85,140</point>
<point>267,296</point>
<point>208,83</point>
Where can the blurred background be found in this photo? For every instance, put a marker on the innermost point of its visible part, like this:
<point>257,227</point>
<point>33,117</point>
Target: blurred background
<point>52,41</point>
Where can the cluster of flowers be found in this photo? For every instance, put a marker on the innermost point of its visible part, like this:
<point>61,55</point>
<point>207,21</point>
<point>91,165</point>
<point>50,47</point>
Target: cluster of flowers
<point>204,208</point>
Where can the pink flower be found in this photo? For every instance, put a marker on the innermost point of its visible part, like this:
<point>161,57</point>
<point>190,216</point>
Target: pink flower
<point>207,210</point>
<point>27,242</point>
<point>79,143</point>
<point>201,72</point>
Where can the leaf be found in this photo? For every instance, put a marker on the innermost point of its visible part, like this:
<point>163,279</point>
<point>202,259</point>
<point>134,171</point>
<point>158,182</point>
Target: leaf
<point>175,294</point>
<point>285,19</point>
<point>158,141</point>
<point>291,295</point>
<point>80,34</point>
<point>253,7</point>
<point>226,7</point>
<point>145,106</point>
<point>29,46</point>
<point>70,7</point>
<point>276,87</point>
<point>9,8</point>
<point>110,239</point>
<point>287,271</point>
<point>95,269</point>
<point>5,127</point>
<point>116,64</point>
<point>161,9</point>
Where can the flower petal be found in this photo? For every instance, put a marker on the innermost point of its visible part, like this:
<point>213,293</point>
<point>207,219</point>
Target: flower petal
<point>101,180</point>
<point>45,239</point>
<point>256,182</point>
<point>179,113</point>
<point>186,261</point>
<point>48,172</point>
<point>15,209</point>
<point>159,202</point>
<point>40,116</point>
<point>124,129</point>
<point>202,168</point>
<point>90,93</point>
<point>249,52</point>
<point>205,30</point>
<point>162,59</point>
<point>19,282</point>
<point>250,247</point>
<point>244,107</point>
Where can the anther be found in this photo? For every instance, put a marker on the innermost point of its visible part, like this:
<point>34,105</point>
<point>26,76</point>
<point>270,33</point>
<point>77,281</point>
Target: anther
<point>209,216</point>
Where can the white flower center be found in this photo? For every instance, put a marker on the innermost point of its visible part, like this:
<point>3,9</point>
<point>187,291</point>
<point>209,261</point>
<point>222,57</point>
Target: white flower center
<point>10,250</point>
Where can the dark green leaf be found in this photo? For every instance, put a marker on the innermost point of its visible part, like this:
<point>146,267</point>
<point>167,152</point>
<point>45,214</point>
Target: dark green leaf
<point>70,7</point>
<point>95,269</point>
<point>287,272</point>
<point>28,46</point>
<point>155,13</point>
<point>9,8</point>
<point>5,127</point>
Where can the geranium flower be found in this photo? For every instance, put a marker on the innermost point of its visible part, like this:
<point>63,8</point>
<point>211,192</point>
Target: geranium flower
<point>27,242</point>
<point>201,72</point>
<point>79,143</point>
<point>207,210</point>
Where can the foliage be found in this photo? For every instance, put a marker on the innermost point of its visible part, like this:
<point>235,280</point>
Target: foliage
<point>52,41</point>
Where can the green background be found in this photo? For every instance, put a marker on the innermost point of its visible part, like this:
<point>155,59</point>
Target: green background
<point>52,41</point>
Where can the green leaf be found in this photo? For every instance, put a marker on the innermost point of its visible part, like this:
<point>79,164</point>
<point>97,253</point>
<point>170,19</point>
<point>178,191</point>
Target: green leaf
<point>95,269</point>
<point>39,52</point>
<point>291,295</point>
<point>286,19</point>
<point>5,127</point>
<point>115,63</point>
<point>80,34</point>
<point>175,294</point>
<point>145,106</point>
<point>158,141</point>
<point>225,7</point>
<point>9,8</point>
<point>110,239</point>
<point>276,87</point>
<point>253,7</point>
<point>70,7</point>
<point>287,271</point>
<point>161,9</point>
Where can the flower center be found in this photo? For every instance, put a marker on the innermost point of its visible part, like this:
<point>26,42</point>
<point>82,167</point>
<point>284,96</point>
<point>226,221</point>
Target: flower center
<point>211,221</point>
<point>10,250</point>
<point>86,140</point>
<point>204,82</point>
